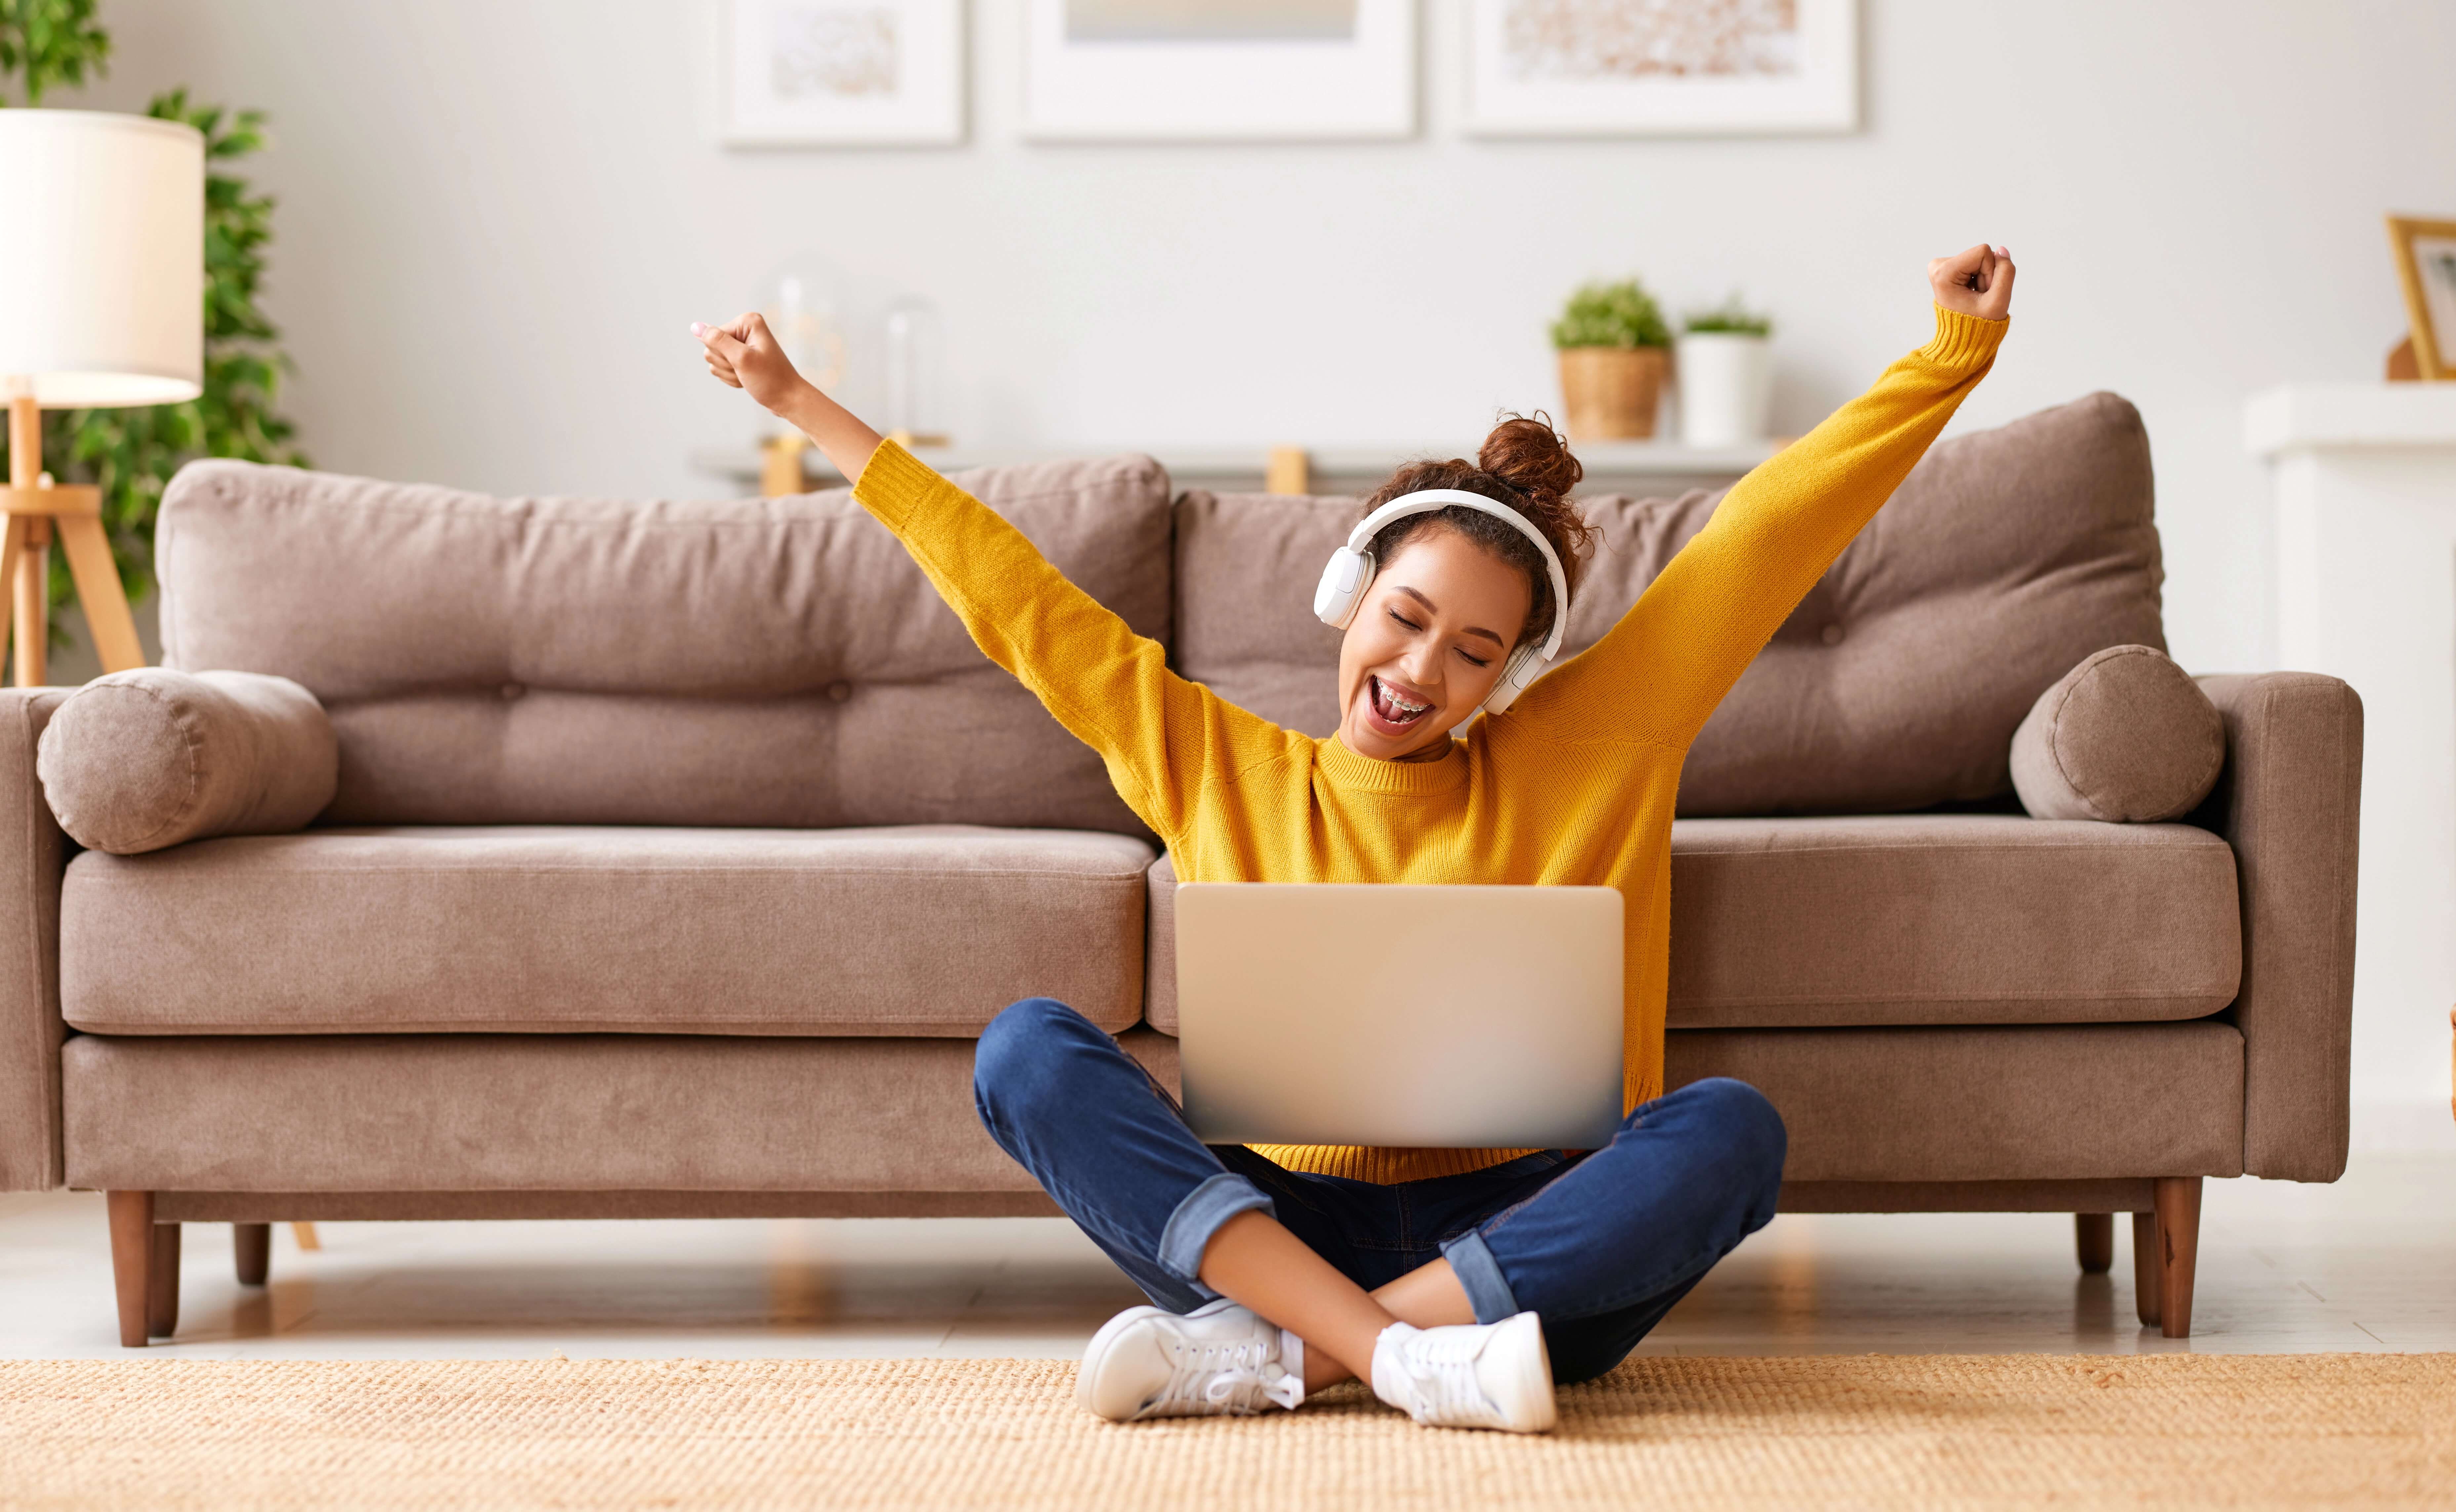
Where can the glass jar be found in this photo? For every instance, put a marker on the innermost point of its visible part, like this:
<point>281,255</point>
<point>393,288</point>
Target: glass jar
<point>915,412</point>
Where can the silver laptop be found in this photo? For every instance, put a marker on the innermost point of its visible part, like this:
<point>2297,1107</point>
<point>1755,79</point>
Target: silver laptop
<point>1442,1016</point>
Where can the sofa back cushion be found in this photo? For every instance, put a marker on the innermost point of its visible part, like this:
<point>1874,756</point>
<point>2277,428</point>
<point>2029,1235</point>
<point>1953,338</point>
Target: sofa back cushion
<point>2005,558</point>
<point>1246,565</point>
<point>572,661</point>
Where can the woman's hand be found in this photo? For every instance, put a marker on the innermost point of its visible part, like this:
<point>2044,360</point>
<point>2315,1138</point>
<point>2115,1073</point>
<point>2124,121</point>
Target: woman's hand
<point>1978,282</point>
<point>745,356</point>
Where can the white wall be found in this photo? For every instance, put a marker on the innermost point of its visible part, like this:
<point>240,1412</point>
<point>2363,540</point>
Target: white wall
<point>498,220</point>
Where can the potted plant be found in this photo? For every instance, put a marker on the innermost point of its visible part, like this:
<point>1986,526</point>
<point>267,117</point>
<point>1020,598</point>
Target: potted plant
<point>1725,375</point>
<point>1613,347</point>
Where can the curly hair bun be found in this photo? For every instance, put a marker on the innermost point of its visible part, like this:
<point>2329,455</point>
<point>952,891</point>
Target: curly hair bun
<point>1532,458</point>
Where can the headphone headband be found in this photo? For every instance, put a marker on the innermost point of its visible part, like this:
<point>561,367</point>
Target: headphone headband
<point>1428,501</point>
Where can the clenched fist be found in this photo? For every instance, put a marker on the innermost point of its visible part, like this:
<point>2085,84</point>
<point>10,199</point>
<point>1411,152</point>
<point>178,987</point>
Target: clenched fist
<point>745,354</point>
<point>1976,282</point>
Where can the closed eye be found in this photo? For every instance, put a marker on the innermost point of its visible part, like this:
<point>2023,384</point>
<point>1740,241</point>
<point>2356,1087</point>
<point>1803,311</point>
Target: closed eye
<point>1471,659</point>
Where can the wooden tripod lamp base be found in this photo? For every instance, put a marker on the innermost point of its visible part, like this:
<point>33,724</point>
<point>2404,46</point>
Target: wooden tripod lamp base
<point>37,509</point>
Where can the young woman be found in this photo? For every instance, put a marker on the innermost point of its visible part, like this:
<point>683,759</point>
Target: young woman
<point>1460,1283</point>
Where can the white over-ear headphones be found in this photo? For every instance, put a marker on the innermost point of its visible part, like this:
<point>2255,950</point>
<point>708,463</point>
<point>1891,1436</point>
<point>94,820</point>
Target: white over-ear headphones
<point>1351,568</point>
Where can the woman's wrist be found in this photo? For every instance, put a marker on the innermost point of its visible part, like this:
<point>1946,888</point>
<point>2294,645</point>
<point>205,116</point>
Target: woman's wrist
<point>1964,340</point>
<point>836,431</point>
<point>803,407</point>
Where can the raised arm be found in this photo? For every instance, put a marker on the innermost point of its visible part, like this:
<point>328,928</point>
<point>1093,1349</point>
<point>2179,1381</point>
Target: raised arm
<point>1660,672</point>
<point>1158,734</point>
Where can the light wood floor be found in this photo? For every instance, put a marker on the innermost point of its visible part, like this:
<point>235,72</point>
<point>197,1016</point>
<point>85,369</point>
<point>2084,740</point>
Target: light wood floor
<point>2367,1263</point>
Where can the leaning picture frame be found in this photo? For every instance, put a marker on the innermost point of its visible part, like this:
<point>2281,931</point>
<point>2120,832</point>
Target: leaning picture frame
<point>1660,68</point>
<point>836,74</point>
<point>1219,70</point>
<point>2425,265</point>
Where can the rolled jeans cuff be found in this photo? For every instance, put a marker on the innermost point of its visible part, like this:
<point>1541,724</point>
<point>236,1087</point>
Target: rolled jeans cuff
<point>1479,1275</point>
<point>1188,1234</point>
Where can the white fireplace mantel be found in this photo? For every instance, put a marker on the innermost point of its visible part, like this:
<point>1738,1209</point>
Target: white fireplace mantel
<point>2364,484</point>
<point>2344,416</point>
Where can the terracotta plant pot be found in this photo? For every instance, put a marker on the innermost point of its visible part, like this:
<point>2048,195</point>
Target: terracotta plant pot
<point>1610,392</point>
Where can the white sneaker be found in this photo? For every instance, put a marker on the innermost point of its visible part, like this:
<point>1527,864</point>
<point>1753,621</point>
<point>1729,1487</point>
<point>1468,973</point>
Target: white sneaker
<point>1149,1363</point>
<point>1470,1376</point>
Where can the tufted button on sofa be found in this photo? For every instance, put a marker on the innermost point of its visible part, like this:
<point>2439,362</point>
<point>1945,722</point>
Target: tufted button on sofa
<point>677,852</point>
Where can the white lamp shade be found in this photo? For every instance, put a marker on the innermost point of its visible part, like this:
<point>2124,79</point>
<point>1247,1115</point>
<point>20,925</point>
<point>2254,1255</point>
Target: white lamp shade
<point>101,257</point>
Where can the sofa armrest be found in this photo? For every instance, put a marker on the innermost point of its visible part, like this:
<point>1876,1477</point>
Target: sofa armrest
<point>2290,803</point>
<point>32,851</point>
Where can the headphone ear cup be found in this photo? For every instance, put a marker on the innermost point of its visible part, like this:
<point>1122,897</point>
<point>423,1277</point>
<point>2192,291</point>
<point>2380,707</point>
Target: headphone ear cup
<point>1344,578</point>
<point>1505,692</point>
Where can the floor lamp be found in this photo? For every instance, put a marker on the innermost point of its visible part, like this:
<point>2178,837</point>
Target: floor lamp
<point>101,306</point>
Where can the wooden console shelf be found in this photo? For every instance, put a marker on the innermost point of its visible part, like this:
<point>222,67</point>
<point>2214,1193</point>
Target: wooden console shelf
<point>1649,467</point>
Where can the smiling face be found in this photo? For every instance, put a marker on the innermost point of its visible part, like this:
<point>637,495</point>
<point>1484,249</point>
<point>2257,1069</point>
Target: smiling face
<point>1427,645</point>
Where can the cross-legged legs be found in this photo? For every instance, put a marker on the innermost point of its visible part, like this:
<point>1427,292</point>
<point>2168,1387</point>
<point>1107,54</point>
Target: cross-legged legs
<point>1600,1245</point>
<point>1111,1147</point>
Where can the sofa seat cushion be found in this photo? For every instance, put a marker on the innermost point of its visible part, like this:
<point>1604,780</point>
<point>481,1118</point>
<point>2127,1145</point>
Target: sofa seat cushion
<point>913,931</point>
<point>1948,919</point>
<point>1920,919</point>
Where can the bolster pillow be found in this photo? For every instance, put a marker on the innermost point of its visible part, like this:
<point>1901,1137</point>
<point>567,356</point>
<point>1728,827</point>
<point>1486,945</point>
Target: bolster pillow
<point>2126,736</point>
<point>140,760</point>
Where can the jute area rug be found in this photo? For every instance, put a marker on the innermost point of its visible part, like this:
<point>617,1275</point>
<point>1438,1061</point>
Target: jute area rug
<point>1854,1431</point>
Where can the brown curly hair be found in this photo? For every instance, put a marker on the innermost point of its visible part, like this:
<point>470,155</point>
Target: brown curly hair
<point>1526,465</point>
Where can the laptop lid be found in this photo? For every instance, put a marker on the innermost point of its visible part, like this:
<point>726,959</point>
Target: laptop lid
<point>1400,1016</point>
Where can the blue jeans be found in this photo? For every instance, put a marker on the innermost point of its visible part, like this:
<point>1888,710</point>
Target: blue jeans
<point>1599,1245</point>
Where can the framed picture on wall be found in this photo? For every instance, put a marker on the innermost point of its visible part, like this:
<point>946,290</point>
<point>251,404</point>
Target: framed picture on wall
<point>2425,263</point>
<point>1187,70</point>
<point>1646,68</point>
<point>842,73</point>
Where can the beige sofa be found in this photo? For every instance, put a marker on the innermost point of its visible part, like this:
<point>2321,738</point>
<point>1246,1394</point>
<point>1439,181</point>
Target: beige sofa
<point>678,852</point>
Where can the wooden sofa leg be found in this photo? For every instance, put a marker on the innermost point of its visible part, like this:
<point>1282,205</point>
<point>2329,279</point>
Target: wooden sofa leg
<point>252,1247</point>
<point>2095,1233</point>
<point>2145,1287</point>
<point>2178,1251</point>
<point>162,1283</point>
<point>132,1260</point>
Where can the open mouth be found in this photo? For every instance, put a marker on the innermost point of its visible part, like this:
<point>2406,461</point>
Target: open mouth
<point>1391,706</point>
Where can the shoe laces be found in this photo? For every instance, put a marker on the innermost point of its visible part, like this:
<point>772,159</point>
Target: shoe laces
<point>1218,1375</point>
<point>1440,1367</point>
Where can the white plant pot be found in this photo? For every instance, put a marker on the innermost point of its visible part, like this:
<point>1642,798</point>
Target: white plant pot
<point>1726,385</point>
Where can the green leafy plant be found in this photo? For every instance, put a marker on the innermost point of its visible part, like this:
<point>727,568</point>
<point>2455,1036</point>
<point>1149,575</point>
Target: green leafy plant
<point>1622,315</point>
<point>1730,318</point>
<point>129,454</point>
<point>51,42</point>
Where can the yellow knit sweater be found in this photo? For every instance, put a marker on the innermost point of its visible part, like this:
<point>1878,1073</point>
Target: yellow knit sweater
<point>1573,785</point>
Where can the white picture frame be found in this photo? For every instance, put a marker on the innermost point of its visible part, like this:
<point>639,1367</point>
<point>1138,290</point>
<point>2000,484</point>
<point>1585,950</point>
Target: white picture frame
<point>841,72</point>
<point>1624,67</point>
<point>1167,87</point>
